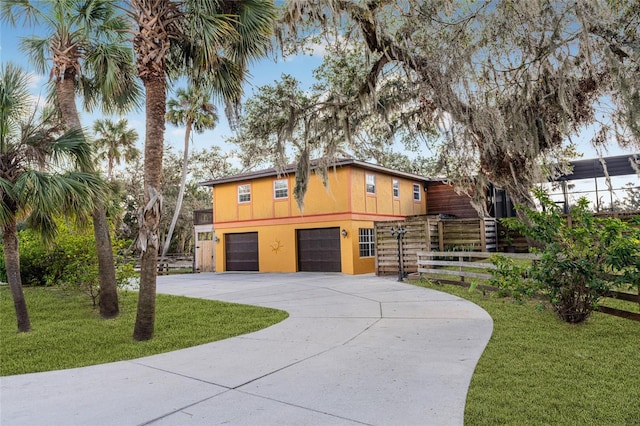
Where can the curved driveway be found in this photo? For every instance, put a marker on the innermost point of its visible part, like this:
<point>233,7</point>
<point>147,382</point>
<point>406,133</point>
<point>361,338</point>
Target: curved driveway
<point>354,350</point>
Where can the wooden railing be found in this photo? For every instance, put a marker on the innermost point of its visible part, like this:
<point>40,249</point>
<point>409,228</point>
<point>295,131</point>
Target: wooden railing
<point>433,263</point>
<point>429,263</point>
<point>620,312</point>
<point>174,262</point>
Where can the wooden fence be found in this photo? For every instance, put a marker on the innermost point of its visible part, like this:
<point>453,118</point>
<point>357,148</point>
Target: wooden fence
<point>174,262</point>
<point>430,233</point>
<point>171,262</point>
<point>620,312</point>
<point>432,263</point>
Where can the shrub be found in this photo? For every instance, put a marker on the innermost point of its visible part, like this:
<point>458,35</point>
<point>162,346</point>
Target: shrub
<point>35,258</point>
<point>579,255</point>
<point>70,261</point>
<point>511,278</point>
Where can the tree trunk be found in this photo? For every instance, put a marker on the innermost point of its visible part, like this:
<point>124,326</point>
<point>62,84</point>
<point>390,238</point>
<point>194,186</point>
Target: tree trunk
<point>12,264</point>
<point>108,300</point>
<point>183,184</point>
<point>106,264</point>
<point>148,240</point>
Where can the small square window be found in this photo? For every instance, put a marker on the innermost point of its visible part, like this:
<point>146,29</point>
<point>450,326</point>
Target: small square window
<point>280,189</point>
<point>205,236</point>
<point>371,184</point>
<point>366,242</point>
<point>417,194</point>
<point>396,188</point>
<point>244,193</point>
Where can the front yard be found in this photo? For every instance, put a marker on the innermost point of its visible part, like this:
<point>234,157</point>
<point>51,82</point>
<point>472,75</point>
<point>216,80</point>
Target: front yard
<point>539,370</point>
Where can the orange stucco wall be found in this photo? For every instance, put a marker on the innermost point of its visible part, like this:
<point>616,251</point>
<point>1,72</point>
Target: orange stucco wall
<point>344,203</point>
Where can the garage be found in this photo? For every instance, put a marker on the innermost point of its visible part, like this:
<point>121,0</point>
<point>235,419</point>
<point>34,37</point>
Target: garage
<point>241,252</point>
<point>319,250</point>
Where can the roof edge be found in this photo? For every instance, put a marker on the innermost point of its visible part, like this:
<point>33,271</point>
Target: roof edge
<point>291,168</point>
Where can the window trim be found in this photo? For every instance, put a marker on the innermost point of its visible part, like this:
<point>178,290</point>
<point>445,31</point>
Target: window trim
<point>248,187</point>
<point>286,189</point>
<point>418,191</point>
<point>367,184</point>
<point>395,188</point>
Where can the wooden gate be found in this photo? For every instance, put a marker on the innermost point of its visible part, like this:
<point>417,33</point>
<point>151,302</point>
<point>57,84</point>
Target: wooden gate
<point>204,260</point>
<point>430,233</point>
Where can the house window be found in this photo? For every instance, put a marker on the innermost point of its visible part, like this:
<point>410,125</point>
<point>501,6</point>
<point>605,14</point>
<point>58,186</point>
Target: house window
<point>244,193</point>
<point>396,188</point>
<point>417,195</point>
<point>371,184</point>
<point>205,236</point>
<point>367,244</point>
<point>280,189</point>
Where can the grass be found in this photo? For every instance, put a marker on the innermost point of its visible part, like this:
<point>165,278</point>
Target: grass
<point>538,370</point>
<point>67,332</point>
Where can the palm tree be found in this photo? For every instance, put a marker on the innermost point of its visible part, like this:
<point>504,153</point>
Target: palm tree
<point>33,184</point>
<point>84,46</point>
<point>116,142</point>
<point>211,40</point>
<point>192,109</point>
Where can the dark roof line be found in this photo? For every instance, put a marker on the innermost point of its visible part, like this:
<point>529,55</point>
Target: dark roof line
<point>619,165</point>
<point>291,168</point>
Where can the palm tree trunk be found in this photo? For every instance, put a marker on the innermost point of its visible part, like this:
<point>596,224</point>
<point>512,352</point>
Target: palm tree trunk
<point>108,300</point>
<point>156,97</point>
<point>12,264</point>
<point>106,264</point>
<point>183,184</point>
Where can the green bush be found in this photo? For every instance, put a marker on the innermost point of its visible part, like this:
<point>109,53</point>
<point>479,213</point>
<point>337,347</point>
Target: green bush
<point>511,278</point>
<point>583,257</point>
<point>70,261</point>
<point>35,258</point>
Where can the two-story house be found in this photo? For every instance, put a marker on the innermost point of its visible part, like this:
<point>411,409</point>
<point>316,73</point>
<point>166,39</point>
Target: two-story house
<point>259,227</point>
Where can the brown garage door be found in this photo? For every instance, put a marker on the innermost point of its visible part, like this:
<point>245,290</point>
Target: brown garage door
<point>319,250</point>
<point>241,252</point>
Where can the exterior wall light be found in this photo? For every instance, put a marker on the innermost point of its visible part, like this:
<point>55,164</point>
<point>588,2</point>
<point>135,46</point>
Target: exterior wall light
<point>344,233</point>
<point>216,239</point>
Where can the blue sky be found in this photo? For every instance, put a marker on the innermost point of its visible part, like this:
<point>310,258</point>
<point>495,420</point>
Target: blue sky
<point>262,72</point>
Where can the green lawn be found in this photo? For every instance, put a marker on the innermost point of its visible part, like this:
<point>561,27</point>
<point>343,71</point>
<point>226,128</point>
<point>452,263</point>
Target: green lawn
<point>68,333</point>
<point>538,370</point>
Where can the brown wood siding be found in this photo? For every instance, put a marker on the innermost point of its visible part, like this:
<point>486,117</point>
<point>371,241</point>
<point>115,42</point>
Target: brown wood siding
<point>241,252</point>
<point>319,250</point>
<point>442,199</point>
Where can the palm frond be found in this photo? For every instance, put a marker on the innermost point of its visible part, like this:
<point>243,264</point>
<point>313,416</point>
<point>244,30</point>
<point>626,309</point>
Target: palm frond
<point>255,30</point>
<point>14,101</point>
<point>72,146</point>
<point>14,11</point>
<point>110,78</point>
<point>47,195</point>
<point>8,202</point>
<point>38,50</point>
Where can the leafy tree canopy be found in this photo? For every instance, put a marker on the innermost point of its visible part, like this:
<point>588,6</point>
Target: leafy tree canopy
<point>505,84</point>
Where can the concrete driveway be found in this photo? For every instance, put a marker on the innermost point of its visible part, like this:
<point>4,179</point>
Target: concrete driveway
<point>354,350</point>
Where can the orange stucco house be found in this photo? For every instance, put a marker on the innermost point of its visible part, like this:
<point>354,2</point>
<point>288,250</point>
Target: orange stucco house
<point>259,227</point>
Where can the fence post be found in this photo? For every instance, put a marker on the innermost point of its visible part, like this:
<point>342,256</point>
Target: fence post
<point>441,235</point>
<point>483,235</point>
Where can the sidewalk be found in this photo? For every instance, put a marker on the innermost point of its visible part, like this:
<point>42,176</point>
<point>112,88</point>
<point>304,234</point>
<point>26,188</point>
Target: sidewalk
<point>354,350</point>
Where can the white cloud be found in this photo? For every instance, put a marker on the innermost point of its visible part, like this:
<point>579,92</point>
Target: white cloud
<point>36,81</point>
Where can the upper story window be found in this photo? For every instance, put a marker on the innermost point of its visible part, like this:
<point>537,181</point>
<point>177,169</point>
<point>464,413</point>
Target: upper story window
<point>280,189</point>
<point>396,188</point>
<point>417,194</point>
<point>244,193</point>
<point>371,184</point>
